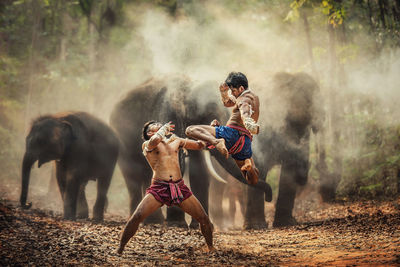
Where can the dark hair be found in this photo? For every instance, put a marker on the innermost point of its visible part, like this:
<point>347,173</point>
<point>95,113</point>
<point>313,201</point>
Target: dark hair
<point>237,79</point>
<point>146,128</point>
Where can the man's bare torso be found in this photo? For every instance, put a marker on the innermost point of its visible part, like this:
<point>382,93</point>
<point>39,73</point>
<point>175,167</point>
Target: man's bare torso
<point>164,160</point>
<point>250,98</point>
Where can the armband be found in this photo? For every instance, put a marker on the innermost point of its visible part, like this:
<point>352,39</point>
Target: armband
<point>251,125</point>
<point>145,149</point>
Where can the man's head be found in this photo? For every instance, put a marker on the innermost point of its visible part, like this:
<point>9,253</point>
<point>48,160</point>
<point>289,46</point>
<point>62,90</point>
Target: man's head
<point>150,128</point>
<point>237,82</point>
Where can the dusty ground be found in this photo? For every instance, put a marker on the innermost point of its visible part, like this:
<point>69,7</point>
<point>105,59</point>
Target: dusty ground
<point>361,233</point>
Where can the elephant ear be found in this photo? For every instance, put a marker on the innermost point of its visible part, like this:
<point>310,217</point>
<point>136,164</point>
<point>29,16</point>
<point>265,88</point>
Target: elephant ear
<point>70,128</point>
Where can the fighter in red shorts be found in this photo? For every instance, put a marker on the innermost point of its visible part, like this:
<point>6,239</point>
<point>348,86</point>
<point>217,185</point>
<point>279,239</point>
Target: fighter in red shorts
<point>167,186</point>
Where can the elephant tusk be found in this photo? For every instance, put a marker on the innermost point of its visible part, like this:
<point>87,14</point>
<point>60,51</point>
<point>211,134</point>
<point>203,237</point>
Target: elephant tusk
<point>213,173</point>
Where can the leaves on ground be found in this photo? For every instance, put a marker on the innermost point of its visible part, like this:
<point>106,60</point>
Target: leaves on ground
<point>344,234</point>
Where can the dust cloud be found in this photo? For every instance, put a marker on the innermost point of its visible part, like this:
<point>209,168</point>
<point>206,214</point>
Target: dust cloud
<point>205,42</point>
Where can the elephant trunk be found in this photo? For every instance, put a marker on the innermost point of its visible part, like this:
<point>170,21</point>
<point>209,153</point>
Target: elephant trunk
<point>27,163</point>
<point>232,169</point>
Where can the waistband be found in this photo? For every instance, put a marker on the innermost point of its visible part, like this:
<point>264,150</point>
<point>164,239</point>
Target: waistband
<point>155,180</point>
<point>242,130</point>
<point>176,194</point>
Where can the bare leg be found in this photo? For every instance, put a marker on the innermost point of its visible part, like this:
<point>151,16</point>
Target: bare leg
<point>146,207</point>
<point>247,165</point>
<point>251,174</point>
<point>207,133</point>
<point>193,207</point>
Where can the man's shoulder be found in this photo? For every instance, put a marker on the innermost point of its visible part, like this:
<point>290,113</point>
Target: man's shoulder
<point>174,138</point>
<point>248,98</point>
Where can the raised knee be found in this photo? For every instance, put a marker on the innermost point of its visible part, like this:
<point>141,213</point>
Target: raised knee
<point>189,130</point>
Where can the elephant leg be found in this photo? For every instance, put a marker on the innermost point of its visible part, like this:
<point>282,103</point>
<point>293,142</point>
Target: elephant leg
<point>103,183</point>
<point>82,206</point>
<point>255,217</point>
<point>176,217</point>
<point>302,162</point>
<point>232,209</point>
<point>199,181</point>
<point>286,196</point>
<point>216,197</point>
<point>71,196</point>
<point>61,176</point>
<point>52,191</point>
<point>242,200</point>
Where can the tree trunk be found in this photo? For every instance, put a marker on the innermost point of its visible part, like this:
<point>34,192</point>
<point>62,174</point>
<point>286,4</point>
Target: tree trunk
<point>372,25</point>
<point>309,44</point>
<point>63,31</point>
<point>329,183</point>
<point>382,12</point>
<point>36,19</point>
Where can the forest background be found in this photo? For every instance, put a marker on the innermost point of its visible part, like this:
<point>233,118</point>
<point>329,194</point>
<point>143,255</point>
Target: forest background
<point>58,55</point>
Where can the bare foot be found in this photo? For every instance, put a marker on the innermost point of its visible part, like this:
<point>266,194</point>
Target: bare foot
<point>247,165</point>
<point>252,175</point>
<point>211,249</point>
<point>220,146</point>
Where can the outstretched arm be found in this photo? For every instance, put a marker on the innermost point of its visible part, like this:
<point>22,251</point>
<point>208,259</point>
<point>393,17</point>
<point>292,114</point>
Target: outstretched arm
<point>192,144</point>
<point>158,137</point>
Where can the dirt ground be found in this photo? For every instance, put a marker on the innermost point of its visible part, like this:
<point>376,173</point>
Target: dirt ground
<point>364,233</point>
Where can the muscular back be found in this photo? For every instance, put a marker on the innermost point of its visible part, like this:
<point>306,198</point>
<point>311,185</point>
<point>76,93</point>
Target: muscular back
<point>247,97</point>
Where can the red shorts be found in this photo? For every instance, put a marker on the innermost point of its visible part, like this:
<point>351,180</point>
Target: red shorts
<point>169,192</point>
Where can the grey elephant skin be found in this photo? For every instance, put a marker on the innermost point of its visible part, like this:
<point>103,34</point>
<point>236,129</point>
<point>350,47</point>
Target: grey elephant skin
<point>83,148</point>
<point>176,99</point>
<point>286,145</point>
<point>171,98</point>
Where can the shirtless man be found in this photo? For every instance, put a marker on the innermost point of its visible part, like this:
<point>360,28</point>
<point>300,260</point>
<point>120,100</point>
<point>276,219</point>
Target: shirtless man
<point>234,138</point>
<point>167,186</point>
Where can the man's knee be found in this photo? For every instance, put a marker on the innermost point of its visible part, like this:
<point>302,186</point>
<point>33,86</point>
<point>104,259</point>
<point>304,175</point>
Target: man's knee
<point>137,217</point>
<point>190,130</point>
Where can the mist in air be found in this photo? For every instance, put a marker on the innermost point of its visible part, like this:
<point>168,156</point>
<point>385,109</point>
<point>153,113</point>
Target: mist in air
<point>205,42</point>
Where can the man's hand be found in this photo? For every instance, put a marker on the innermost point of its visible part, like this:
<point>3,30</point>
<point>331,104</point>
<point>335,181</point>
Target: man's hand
<point>170,127</point>
<point>251,125</point>
<point>166,129</point>
<point>223,87</point>
<point>215,123</point>
<point>227,99</point>
<point>202,144</point>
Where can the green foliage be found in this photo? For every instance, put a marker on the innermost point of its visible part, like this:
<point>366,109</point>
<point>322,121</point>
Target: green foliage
<point>273,180</point>
<point>65,58</point>
<point>371,165</point>
<point>332,11</point>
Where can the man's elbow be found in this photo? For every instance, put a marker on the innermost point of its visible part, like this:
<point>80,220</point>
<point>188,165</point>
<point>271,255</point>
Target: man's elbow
<point>228,104</point>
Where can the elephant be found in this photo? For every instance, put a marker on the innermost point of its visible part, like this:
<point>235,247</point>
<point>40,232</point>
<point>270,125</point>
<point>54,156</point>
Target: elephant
<point>234,192</point>
<point>171,98</point>
<point>286,145</point>
<point>83,148</point>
